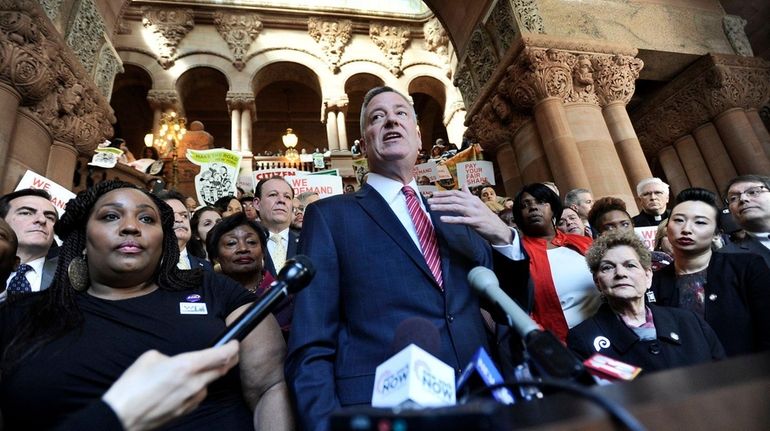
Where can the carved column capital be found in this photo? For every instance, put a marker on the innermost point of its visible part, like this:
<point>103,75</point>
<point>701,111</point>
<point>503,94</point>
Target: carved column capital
<point>436,37</point>
<point>712,85</point>
<point>540,73</point>
<point>615,77</point>
<point>392,41</point>
<point>242,101</point>
<point>239,31</point>
<point>163,99</point>
<point>170,26</point>
<point>332,36</point>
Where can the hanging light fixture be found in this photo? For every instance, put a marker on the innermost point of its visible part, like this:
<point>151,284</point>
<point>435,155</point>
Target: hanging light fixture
<point>289,139</point>
<point>172,130</point>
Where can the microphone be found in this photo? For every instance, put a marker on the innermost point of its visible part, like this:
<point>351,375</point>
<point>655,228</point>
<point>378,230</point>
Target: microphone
<point>293,277</point>
<point>548,354</point>
<point>482,371</point>
<point>413,377</point>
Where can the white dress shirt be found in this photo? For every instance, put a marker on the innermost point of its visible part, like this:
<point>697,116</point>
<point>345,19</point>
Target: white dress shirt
<point>34,275</point>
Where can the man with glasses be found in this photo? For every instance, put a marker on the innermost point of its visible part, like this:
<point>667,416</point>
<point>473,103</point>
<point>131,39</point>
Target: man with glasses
<point>652,195</point>
<point>748,197</point>
<point>300,203</point>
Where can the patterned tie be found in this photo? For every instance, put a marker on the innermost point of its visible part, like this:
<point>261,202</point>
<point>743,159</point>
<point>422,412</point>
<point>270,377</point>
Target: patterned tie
<point>425,234</point>
<point>279,252</point>
<point>19,282</point>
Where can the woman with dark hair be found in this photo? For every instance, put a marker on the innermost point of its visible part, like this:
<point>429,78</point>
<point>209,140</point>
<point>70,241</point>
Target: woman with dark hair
<point>562,292</point>
<point>609,214</point>
<point>625,328</point>
<point>202,221</point>
<point>729,291</point>
<point>228,205</point>
<point>239,246</point>
<point>117,293</point>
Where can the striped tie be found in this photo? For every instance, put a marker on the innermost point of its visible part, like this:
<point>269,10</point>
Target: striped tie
<point>425,234</point>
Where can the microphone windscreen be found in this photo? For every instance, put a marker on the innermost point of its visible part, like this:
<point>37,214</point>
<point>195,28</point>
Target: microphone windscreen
<point>419,331</point>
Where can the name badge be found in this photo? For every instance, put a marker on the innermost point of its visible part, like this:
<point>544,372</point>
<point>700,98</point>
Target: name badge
<point>192,308</point>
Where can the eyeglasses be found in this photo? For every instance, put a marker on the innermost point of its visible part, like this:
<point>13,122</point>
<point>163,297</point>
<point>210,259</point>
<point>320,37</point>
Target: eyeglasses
<point>751,192</point>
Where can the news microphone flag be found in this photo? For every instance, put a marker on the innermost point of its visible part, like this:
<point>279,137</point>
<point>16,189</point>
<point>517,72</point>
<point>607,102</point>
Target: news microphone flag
<point>482,365</point>
<point>413,378</point>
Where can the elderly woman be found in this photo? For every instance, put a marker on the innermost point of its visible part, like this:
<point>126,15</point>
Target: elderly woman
<point>118,293</point>
<point>239,246</point>
<point>562,293</point>
<point>730,291</point>
<point>651,337</point>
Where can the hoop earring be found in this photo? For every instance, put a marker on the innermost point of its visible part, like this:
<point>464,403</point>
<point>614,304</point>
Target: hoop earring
<point>77,272</point>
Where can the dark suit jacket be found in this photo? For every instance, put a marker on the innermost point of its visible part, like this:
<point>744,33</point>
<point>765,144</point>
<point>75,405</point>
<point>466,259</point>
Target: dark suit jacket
<point>49,270</point>
<point>748,244</point>
<point>197,262</point>
<point>683,339</point>
<point>291,251</point>
<point>643,219</point>
<point>737,300</point>
<point>370,278</point>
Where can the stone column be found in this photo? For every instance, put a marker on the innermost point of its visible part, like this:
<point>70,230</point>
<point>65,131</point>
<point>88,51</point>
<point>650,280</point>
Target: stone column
<point>693,163</point>
<point>9,103</point>
<point>715,155</point>
<point>245,140</point>
<point>61,163</point>
<point>559,145</point>
<point>615,81</point>
<point>331,130</point>
<point>533,165</point>
<point>672,167</point>
<point>741,142</point>
<point>454,124</point>
<point>597,152</point>
<point>759,129</point>
<point>342,132</point>
<point>235,130</point>
<point>509,169</point>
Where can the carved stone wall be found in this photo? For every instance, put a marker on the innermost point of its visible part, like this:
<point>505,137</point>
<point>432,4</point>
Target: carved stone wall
<point>108,65</point>
<point>392,41</point>
<point>712,85</point>
<point>169,26</point>
<point>332,36</point>
<point>736,34</point>
<point>239,31</point>
<point>87,34</point>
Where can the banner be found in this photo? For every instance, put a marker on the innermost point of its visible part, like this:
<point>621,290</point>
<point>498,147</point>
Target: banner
<point>59,195</point>
<point>475,173</point>
<point>324,185</point>
<point>426,173</point>
<point>267,173</point>
<point>105,157</point>
<point>218,175</point>
<point>647,235</point>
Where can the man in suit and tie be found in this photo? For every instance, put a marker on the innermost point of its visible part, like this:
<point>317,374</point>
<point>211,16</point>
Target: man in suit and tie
<point>32,216</point>
<point>182,231</point>
<point>273,199</point>
<point>748,198</point>
<point>381,257</point>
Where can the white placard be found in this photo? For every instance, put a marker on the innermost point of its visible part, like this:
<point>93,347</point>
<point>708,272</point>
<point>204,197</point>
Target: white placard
<point>475,173</point>
<point>59,195</point>
<point>324,185</point>
<point>427,170</point>
<point>647,235</point>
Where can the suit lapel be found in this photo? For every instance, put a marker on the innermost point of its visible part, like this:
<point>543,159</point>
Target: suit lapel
<point>49,269</point>
<point>379,211</point>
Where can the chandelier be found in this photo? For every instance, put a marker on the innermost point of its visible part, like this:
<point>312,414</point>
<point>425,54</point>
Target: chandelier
<point>171,131</point>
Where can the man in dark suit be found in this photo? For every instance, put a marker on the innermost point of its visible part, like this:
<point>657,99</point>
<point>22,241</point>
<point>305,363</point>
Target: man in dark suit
<point>32,216</point>
<point>748,197</point>
<point>182,231</point>
<point>376,267</point>
<point>273,199</point>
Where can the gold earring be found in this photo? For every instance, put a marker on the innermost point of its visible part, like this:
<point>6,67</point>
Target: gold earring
<point>77,271</point>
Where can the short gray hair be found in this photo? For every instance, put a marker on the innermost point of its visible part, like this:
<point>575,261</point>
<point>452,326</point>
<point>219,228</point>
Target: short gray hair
<point>573,197</point>
<point>651,180</point>
<point>375,92</point>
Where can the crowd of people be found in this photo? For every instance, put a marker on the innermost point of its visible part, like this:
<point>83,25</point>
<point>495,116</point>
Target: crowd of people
<point>111,329</point>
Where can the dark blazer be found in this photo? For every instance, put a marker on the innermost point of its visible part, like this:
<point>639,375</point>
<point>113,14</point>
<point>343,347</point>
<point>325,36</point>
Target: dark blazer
<point>643,219</point>
<point>737,300</point>
<point>683,339</point>
<point>49,270</point>
<point>291,251</point>
<point>370,278</point>
<point>197,262</point>
<point>747,244</point>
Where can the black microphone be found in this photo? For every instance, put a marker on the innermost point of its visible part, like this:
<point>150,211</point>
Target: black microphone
<point>548,354</point>
<point>293,277</point>
<point>418,331</point>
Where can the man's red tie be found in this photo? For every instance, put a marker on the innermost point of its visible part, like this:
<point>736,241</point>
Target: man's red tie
<point>425,234</point>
